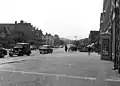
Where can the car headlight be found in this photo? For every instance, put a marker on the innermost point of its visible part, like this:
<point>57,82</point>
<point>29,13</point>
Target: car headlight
<point>11,49</point>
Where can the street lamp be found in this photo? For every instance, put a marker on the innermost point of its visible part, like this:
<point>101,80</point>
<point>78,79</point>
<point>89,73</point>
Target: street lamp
<point>75,39</point>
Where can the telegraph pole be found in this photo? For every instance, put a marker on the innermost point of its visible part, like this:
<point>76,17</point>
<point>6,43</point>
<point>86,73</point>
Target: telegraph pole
<point>75,40</point>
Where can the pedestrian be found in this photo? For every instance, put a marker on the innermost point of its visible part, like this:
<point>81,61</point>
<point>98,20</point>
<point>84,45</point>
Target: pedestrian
<point>66,48</point>
<point>89,50</point>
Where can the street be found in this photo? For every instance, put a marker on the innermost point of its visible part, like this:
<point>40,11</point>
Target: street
<point>57,69</point>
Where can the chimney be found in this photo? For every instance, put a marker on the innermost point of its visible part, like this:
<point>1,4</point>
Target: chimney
<point>15,22</point>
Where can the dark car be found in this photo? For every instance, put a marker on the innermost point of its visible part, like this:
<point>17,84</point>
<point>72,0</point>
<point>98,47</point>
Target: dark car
<point>20,49</point>
<point>3,52</point>
<point>45,49</point>
<point>83,49</point>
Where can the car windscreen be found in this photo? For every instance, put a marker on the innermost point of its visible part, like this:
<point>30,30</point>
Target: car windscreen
<point>18,46</point>
<point>46,46</point>
<point>42,47</point>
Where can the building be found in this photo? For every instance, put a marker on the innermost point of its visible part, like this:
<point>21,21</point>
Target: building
<point>116,35</point>
<point>106,29</point>
<point>16,32</point>
<point>109,29</point>
<point>43,39</point>
<point>38,36</point>
<point>6,35</point>
<point>49,39</point>
<point>24,30</point>
<point>94,36</point>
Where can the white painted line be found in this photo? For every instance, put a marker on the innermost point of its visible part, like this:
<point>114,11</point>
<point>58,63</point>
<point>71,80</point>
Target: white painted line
<point>113,80</point>
<point>48,74</point>
<point>60,75</point>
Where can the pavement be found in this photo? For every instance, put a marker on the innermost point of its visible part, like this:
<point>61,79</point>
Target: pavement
<point>58,69</point>
<point>14,59</point>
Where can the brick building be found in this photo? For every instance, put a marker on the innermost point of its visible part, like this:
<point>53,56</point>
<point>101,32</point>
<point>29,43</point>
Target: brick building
<point>19,32</point>
<point>107,36</point>
<point>38,36</point>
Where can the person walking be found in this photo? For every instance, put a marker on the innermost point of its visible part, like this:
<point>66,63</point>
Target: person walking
<point>66,48</point>
<point>89,50</point>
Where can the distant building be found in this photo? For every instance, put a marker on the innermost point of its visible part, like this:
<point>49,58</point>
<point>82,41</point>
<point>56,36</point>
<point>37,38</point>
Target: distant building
<point>38,36</point>
<point>56,40</point>
<point>84,42</point>
<point>49,39</point>
<point>94,36</point>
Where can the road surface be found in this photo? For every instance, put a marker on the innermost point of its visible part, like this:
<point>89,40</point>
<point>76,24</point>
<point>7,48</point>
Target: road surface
<point>57,69</point>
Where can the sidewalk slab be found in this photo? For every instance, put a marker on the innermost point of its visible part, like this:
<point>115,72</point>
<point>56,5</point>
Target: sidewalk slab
<point>13,60</point>
<point>8,59</point>
<point>108,65</point>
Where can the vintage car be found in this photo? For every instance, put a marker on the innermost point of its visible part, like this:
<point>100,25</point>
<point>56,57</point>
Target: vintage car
<point>83,49</point>
<point>45,49</point>
<point>33,47</point>
<point>20,49</point>
<point>3,52</point>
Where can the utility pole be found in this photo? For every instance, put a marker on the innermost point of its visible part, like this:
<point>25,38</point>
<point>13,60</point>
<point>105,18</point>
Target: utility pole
<point>117,36</point>
<point>75,39</point>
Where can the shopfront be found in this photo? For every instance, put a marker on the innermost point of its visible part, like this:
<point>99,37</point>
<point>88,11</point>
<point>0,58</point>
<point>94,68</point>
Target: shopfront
<point>106,52</point>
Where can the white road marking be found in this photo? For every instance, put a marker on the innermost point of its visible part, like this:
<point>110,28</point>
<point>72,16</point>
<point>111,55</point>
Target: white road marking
<point>69,65</point>
<point>113,80</point>
<point>60,75</point>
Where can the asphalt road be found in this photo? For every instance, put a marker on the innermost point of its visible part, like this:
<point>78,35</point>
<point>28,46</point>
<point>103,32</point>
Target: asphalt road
<point>57,69</point>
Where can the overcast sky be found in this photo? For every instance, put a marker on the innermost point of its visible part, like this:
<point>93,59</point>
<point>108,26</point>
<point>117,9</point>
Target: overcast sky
<point>67,18</point>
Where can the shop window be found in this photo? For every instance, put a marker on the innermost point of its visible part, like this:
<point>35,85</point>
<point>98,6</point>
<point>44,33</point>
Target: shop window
<point>105,47</point>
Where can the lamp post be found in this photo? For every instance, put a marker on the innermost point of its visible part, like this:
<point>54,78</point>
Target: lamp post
<point>75,39</point>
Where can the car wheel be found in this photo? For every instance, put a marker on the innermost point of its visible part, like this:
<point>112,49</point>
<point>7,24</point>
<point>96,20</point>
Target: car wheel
<point>10,55</point>
<point>2,56</point>
<point>5,52</point>
<point>28,54</point>
<point>20,54</point>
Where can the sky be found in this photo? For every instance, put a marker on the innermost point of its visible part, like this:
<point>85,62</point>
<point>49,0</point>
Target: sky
<point>67,18</point>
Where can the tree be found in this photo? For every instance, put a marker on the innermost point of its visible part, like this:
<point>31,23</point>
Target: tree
<point>56,40</point>
<point>61,42</point>
<point>77,42</point>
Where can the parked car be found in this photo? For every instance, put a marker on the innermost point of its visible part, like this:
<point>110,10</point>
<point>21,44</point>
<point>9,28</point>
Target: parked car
<point>45,49</point>
<point>33,47</point>
<point>83,49</point>
<point>56,46</point>
<point>3,52</point>
<point>61,46</point>
<point>20,49</point>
